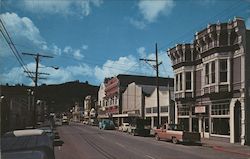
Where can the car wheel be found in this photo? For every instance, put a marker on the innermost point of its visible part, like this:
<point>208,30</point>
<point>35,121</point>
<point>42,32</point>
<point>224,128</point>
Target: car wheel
<point>157,137</point>
<point>174,140</point>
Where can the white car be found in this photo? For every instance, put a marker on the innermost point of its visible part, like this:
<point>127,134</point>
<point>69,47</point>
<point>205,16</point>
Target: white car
<point>124,127</point>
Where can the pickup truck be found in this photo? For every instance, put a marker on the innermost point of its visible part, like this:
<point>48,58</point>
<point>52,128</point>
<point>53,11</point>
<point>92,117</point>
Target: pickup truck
<point>175,133</point>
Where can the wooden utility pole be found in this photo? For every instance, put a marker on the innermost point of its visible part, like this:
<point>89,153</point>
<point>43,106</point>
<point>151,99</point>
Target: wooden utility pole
<point>37,59</point>
<point>156,67</point>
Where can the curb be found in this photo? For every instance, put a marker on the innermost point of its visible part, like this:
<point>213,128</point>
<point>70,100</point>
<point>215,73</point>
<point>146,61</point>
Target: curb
<point>220,148</point>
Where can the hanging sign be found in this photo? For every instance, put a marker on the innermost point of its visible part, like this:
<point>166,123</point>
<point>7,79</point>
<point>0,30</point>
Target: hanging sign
<point>200,109</point>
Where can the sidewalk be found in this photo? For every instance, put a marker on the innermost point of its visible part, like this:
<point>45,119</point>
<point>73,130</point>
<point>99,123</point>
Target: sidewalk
<point>227,147</point>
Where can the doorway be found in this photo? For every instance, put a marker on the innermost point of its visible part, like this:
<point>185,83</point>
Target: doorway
<point>237,121</point>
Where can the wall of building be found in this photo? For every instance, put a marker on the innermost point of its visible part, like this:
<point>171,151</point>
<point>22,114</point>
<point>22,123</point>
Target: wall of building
<point>151,106</point>
<point>132,99</point>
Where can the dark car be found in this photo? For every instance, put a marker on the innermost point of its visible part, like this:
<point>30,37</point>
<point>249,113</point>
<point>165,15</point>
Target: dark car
<point>106,124</point>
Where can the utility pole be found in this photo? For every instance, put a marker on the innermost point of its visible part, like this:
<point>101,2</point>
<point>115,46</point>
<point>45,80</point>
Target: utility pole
<point>156,67</point>
<point>37,59</point>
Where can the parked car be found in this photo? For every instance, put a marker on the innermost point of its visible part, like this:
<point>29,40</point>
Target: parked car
<point>140,127</point>
<point>124,127</point>
<point>106,124</point>
<point>65,120</point>
<point>175,133</point>
<point>27,146</point>
<point>48,132</point>
<point>85,122</point>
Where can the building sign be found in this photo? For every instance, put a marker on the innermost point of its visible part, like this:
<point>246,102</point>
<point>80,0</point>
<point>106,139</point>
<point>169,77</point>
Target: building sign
<point>200,109</point>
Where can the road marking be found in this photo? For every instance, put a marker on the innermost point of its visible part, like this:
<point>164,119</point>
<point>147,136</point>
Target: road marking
<point>149,156</point>
<point>120,145</point>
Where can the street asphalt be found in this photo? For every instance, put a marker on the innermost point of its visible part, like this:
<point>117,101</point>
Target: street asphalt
<point>87,142</point>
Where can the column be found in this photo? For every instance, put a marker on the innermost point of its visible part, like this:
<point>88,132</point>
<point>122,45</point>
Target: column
<point>243,129</point>
<point>176,113</point>
<point>200,126</point>
<point>210,119</point>
<point>190,119</point>
<point>231,124</point>
<point>217,75</point>
<point>229,74</point>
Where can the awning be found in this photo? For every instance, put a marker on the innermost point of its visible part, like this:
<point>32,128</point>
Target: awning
<point>125,115</point>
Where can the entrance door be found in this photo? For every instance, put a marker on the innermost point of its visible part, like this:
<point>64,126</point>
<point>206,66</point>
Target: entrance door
<point>237,119</point>
<point>205,127</point>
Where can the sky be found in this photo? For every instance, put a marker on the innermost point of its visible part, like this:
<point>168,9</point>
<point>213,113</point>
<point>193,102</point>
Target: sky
<point>93,39</point>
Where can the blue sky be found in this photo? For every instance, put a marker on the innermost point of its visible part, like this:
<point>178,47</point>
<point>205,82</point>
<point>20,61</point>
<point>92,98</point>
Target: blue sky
<point>94,39</point>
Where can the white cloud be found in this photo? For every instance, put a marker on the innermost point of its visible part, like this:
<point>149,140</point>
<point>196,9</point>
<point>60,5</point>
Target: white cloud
<point>165,68</point>
<point>25,34</point>
<point>85,47</point>
<point>63,74</point>
<point>111,68</point>
<point>152,9</point>
<point>65,7</point>
<point>142,52</point>
<point>56,50</point>
<point>76,53</point>
<point>68,73</point>
<point>137,23</point>
<point>131,65</point>
<point>22,29</point>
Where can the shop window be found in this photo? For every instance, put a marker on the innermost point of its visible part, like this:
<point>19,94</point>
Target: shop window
<point>183,111</point>
<point>223,70</point>
<point>220,126</point>
<point>195,125</point>
<point>164,120</point>
<point>220,109</point>
<point>184,122</point>
<point>155,121</point>
<point>188,80</point>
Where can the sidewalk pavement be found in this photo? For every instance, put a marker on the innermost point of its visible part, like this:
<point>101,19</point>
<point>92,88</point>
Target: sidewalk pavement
<point>227,147</point>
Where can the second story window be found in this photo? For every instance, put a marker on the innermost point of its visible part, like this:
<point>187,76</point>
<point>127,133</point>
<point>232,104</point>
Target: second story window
<point>180,81</point>
<point>188,80</point>
<point>177,83</point>
<point>207,73</point>
<point>213,72</point>
<point>223,70</point>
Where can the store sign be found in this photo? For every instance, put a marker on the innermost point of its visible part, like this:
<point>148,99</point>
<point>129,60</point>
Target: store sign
<point>200,109</point>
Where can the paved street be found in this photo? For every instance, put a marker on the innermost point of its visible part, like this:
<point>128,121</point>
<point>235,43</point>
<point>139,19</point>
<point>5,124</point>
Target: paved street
<point>84,142</point>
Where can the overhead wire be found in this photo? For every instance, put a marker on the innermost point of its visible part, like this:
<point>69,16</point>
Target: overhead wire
<point>9,41</point>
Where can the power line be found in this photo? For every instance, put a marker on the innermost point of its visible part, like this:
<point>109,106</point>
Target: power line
<point>7,38</point>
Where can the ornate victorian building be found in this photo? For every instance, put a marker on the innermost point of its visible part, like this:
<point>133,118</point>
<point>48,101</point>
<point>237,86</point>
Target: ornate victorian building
<point>211,81</point>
